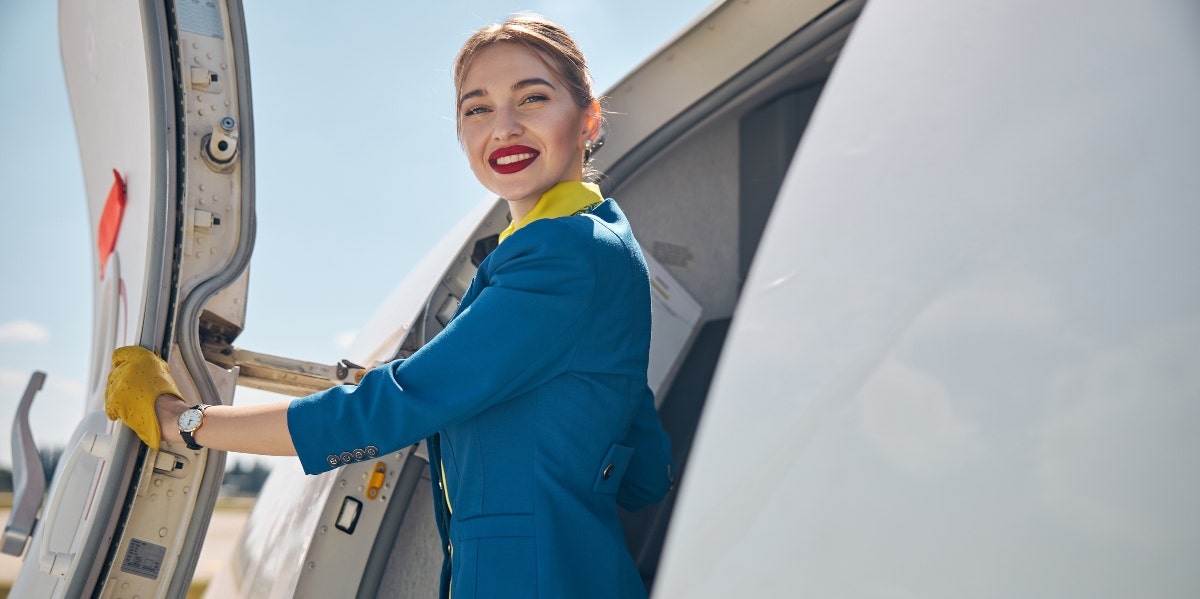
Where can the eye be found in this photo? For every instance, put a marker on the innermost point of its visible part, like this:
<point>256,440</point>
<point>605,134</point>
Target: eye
<point>531,98</point>
<point>476,110</point>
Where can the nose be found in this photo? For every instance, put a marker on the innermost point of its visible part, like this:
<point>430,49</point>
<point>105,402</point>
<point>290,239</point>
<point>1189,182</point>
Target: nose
<point>507,124</point>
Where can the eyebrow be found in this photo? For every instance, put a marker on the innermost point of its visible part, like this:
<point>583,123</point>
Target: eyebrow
<point>477,93</point>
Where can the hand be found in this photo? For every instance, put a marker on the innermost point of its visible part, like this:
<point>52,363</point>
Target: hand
<point>137,379</point>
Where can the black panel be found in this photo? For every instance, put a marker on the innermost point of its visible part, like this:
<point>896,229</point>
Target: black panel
<point>768,137</point>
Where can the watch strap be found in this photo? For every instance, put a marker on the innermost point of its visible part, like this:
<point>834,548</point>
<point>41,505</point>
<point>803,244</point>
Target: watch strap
<point>187,435</point>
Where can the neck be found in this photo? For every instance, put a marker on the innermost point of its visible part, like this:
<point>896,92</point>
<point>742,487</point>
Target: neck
<point>519,209</point>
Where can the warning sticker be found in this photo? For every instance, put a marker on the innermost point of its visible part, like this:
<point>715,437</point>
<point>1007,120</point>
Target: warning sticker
<point>200,16</point>
<point>143,558</point>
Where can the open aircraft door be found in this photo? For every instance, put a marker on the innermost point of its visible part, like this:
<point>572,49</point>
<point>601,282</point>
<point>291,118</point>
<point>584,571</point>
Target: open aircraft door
<point>161,101</point>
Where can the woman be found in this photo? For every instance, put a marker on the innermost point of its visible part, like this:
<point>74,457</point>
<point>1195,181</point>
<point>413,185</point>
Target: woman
<point>534,398</point>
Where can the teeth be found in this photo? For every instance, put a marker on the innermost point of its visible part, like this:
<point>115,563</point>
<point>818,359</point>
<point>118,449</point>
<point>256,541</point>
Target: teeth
<point>514,158</point>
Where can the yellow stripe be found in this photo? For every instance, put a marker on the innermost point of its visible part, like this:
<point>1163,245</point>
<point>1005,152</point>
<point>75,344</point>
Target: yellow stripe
<point>445,486</point>
<point>449,543</point>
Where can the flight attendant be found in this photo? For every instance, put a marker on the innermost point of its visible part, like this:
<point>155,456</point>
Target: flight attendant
<point>533,399</point>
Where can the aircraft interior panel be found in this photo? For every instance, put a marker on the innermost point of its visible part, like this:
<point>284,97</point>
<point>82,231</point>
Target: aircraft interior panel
<point>683,209</point>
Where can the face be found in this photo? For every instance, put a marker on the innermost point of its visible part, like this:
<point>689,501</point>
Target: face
<point>189,420</point>
<point>520,128</point>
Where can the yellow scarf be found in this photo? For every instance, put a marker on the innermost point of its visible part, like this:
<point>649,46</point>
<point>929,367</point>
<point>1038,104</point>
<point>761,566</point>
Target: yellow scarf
<point>564,199</point>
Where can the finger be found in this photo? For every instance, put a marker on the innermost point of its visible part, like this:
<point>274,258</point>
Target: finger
<point>127,353</point>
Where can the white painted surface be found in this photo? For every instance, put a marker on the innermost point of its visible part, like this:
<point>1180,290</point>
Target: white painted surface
<point>964,361</point>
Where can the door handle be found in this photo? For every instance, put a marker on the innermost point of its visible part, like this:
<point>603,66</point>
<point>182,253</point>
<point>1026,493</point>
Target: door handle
<point>95,444</point>
<point>29,477</point>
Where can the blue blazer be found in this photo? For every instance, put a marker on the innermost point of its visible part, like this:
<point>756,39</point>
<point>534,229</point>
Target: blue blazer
<point>535,403</point>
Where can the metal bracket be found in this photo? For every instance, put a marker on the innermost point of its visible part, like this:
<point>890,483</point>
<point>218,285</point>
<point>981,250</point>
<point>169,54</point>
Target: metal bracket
<point>28,475</point>
<point>283,375</point>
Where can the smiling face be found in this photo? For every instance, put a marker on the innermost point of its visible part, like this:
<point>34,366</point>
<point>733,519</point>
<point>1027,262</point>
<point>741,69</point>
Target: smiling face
<point>522,131</point>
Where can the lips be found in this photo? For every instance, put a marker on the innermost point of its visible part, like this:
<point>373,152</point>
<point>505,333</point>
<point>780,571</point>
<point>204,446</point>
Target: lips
<point>512,159</point>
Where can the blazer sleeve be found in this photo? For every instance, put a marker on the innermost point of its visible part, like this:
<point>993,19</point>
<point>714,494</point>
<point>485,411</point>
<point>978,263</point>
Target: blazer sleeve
<point>519,332</point>
<point>650,475</point>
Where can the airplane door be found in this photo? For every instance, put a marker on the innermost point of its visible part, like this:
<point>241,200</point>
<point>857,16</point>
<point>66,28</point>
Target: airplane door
<point>161,100</point>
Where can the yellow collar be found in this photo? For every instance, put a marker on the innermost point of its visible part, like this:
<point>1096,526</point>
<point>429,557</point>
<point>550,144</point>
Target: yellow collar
<point>564,199</point>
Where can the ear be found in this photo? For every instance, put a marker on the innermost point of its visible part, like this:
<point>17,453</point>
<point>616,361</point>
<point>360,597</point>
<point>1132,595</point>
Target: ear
<point>591,121</point>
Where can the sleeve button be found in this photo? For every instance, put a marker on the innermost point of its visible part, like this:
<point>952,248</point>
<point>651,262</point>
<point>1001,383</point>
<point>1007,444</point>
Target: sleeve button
<point>332,459</point>
<point>359,454</point>
<point>372,451</point>
<point>607,474</point>
<point>347,457</point>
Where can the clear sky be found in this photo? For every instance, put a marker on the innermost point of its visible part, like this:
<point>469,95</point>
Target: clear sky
<point>359,172</point>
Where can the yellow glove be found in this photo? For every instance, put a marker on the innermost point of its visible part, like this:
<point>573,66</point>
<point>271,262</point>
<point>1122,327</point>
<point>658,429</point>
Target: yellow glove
<point>138,377</point>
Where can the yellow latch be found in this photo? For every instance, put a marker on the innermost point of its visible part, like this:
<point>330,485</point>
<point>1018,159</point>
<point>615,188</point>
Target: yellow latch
<point>376,482</point>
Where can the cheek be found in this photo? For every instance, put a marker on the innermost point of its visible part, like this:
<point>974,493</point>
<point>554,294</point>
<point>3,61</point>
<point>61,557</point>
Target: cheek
<point>473,146</point>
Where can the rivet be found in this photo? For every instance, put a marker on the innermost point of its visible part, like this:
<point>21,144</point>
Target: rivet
<point>187,489</point>
<point>162,532</point>
<point>201,187</point>
<point>213,107</point>
<point>196,59</point>
<point>383,497</point>
<point>227,102</point>
<point>360,488</point>
<point>200,112</point>
<point>212,250</point>
<point>158,482</point>
<point>154,497</point>
<point>214,198</point>
<point>195,45</point>
<point>224,66</point>
<point>124,586</point>
<point>312,565</point>
<point>170,493</point>
<point>208,55</point>
<point>324,529</point>
<point>342,484</point>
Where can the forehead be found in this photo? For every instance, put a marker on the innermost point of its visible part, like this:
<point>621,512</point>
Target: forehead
<point>504,63</point>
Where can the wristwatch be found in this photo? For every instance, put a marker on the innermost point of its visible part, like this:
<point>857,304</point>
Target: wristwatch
<point>189,421</point>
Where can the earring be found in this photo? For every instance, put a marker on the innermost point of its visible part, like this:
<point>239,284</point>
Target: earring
<point>587,145</point>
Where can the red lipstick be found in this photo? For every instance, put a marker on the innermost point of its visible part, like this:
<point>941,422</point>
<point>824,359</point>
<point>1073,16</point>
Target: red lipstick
<point>512,159</point>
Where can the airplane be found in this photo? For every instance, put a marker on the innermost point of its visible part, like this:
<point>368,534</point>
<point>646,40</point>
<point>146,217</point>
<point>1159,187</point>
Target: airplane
<point>926,315</point>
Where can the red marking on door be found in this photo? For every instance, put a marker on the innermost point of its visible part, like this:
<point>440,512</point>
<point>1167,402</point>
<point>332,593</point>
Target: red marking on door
<point>110,220</point>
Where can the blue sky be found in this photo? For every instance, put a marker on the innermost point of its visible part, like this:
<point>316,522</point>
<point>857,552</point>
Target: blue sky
<point>359,172</point>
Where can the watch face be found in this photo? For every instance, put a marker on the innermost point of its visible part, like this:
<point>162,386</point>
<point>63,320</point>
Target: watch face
<point>189,420</point>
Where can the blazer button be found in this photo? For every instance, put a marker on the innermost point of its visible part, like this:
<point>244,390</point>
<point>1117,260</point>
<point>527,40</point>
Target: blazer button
<point>333,460</point>
<point>359,454</point>
<point>347,457</point>
<point>372,451</point>
<point>607,474</point>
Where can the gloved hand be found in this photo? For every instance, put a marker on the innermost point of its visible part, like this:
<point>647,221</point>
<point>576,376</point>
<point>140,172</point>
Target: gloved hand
<point>138,377</point>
